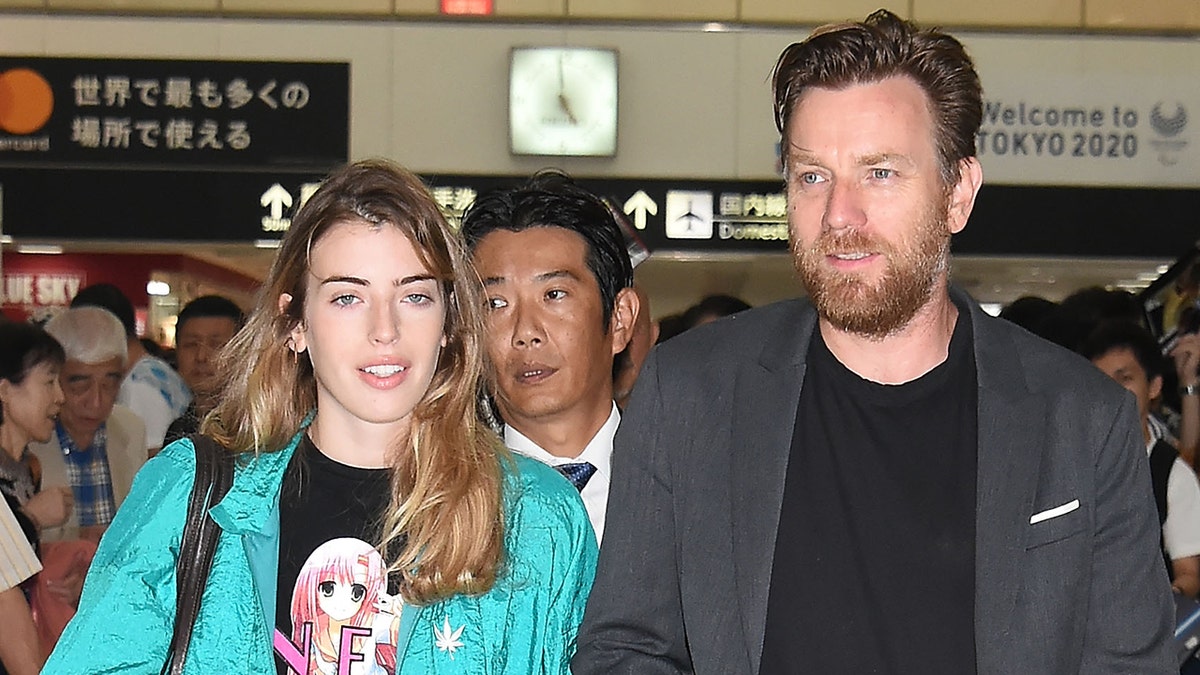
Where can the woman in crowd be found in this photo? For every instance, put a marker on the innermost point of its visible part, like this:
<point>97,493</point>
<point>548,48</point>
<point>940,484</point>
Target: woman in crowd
<point>30,397</point>
<point>351,400</point>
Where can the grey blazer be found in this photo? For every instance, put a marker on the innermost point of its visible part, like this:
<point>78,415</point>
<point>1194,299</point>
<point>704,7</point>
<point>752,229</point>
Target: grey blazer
<point>697,485</point>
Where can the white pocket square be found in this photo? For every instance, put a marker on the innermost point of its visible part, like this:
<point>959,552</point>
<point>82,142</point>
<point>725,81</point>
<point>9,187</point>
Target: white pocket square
<point>1054,512</point>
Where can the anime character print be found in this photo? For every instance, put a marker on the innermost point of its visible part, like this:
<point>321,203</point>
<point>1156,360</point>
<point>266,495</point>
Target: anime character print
<point>343,620</point>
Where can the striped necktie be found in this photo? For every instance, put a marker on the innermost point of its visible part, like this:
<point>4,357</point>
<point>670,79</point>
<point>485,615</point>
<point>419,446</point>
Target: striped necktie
<point>579,473</point>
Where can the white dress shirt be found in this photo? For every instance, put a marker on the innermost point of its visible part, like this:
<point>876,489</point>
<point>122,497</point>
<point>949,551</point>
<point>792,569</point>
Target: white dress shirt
<point>1181,531</point>
<point>598,451</point>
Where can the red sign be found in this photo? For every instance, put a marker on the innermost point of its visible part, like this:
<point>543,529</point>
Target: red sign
<point>40,289</point>
<point>473,7</point>
<point>37,286</point>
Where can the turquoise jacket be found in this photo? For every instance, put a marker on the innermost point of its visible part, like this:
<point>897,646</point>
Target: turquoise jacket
<point>525,624</point>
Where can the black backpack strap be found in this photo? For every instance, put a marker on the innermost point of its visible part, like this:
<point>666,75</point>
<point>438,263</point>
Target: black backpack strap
<point>1162,458</point>
<point>214,476</point>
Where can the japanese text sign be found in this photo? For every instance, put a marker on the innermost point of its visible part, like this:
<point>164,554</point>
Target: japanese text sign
<point>115,112</point>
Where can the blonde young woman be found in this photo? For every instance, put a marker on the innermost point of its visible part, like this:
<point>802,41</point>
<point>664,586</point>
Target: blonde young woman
<point>351,400</point>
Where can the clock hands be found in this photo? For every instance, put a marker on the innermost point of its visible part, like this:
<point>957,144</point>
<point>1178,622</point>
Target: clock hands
<point>562,94</point>
<point>566,108</point>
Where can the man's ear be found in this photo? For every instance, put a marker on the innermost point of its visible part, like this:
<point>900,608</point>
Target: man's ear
<point>296,336</point>
<point>962,196</point>
<point>620,326</point>
<point>1155,389</point>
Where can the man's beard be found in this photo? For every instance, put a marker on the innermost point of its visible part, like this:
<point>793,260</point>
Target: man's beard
<point>881,308</point>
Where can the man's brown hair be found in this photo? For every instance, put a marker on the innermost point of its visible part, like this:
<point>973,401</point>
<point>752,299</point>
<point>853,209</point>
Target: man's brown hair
<point>884,45</point>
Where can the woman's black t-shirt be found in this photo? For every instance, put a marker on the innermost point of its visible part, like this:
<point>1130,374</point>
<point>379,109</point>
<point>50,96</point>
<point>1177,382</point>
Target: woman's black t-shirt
<point>331,577</point>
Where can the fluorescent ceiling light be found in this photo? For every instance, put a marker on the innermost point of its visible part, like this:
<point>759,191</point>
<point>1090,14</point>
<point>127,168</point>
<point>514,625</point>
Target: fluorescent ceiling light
<point>48,249</point>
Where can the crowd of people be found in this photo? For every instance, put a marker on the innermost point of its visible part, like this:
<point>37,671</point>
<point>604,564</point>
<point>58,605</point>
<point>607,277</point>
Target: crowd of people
<point>74,440</point>
<point>471,450</point>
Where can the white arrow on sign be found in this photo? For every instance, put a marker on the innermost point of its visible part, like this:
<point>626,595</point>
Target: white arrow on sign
<point>638,206</point>
<point>276,197</point>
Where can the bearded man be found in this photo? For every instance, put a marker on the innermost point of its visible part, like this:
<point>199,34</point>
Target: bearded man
<point>882,478</point>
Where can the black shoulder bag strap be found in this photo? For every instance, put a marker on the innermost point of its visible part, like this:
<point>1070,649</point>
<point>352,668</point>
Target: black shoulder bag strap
<point>214,475</point>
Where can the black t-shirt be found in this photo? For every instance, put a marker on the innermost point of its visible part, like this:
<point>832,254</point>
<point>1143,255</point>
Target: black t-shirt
<point>874,568</point>
<point>330,575</point>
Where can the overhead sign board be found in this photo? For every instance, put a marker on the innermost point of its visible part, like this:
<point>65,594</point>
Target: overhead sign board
<point>117,113</point>
<point>698,215</point>
<point>664,215</point>
<point>179,205</point>
<point>1088,110</point>
<point>715,216</point>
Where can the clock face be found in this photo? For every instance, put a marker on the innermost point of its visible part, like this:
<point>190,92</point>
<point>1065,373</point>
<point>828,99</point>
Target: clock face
<point>563,101</point>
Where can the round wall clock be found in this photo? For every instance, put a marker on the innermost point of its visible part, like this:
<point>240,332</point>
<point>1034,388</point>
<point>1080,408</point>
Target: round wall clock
<point>562,101</point>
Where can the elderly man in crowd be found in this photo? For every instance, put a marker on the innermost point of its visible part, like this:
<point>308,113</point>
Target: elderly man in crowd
<point>97,446</point>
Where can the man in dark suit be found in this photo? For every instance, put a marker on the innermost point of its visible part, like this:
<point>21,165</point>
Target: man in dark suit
<point>560,308</point>
<point>881,479</point>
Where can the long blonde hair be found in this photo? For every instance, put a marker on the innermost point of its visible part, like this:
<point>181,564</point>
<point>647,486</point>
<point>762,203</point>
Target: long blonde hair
<point>444,519</point>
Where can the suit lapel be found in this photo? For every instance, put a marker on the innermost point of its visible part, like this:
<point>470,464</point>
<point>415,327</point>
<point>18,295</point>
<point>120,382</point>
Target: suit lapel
<point>766,396</point>
<point>1009,453</point>
<point>54,467</point>
<point>122,452</point>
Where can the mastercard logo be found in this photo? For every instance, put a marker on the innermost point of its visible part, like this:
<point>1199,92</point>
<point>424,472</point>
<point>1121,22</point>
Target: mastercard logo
<point>26,101</point>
